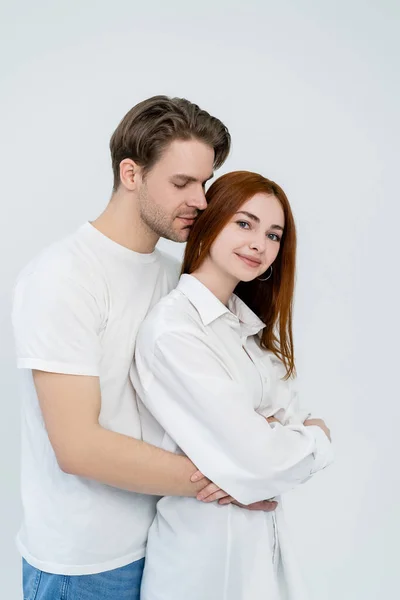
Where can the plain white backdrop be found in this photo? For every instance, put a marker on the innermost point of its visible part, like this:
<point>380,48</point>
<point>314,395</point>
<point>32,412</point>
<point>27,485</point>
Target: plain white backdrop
<point>311,93</point>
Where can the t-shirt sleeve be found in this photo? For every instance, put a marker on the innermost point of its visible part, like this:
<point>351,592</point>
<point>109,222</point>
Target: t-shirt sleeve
<point>56,323</point>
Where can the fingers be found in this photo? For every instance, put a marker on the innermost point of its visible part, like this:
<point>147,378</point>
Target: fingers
<point>211,493</point>
<point>319,423</point>
<point>197,476</point>
<point>264,505</point>
<point>219,495</point>
<point>226,500</point>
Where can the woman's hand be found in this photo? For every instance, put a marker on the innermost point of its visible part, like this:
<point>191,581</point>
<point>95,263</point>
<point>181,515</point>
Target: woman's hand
<point>308,423</point>
<point>319,423</point>
<point>272,420</point>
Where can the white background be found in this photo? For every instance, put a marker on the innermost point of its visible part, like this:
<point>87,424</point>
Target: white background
<point>310,93</point>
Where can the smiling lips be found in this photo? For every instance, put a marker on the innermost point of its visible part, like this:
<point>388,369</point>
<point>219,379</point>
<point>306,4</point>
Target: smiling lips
<point>251,261</point>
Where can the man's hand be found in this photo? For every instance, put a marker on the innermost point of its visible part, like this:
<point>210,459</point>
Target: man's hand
<point>319,423</point>
<point>264,505</point>
<point>211,493</point>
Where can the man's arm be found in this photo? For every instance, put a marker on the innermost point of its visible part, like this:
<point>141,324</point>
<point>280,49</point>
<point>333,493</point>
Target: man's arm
<point>70,406</point>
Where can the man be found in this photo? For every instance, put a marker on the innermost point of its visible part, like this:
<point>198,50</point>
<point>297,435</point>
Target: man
<point>89,484</point>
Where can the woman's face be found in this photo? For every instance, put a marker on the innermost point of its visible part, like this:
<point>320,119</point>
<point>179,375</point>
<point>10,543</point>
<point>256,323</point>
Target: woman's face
<point>250,242</point>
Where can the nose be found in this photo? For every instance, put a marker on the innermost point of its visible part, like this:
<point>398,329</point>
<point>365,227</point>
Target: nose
<point>198,200</point>
<point>259,242</point>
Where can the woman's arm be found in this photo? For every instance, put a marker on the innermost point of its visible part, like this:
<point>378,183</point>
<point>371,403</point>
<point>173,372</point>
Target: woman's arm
<point>309,423</point>
<point>188,390</point>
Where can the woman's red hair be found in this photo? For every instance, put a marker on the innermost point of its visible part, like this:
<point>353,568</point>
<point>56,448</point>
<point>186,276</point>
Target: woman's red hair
<point>271,300</point>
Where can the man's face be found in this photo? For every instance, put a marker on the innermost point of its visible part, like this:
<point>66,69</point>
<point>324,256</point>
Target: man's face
<point>172,193</point>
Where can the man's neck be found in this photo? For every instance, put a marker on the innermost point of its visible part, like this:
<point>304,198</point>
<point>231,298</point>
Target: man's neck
<point>122,223</point>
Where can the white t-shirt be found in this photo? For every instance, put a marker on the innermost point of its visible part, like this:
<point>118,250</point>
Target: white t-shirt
<point>77,309</point>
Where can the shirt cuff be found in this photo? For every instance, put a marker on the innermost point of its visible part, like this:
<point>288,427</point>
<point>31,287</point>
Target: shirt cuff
<point>323,454</point>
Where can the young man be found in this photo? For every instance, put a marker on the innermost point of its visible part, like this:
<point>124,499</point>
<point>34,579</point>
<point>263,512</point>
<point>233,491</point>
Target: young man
<point>89,484</point>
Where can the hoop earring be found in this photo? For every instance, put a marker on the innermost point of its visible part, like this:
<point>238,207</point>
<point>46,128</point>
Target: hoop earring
<point>265,278</point>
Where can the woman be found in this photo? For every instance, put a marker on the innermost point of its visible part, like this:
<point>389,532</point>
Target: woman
<point>214,370</point>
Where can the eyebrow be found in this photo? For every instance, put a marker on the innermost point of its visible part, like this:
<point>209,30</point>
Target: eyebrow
<point>257,220</point>
<point>190,178</point>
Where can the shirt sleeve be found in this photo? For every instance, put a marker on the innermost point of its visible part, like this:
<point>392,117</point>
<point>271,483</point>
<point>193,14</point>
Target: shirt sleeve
<point>188,390</point>
<point>285,407</point>
<point>282,394</point>
<point>56,323</point>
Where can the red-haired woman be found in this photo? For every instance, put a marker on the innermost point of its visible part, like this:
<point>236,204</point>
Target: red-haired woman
<point>214,370</point>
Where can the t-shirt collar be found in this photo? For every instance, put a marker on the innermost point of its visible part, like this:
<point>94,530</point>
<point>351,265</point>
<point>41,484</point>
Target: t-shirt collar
<point>108,245</point>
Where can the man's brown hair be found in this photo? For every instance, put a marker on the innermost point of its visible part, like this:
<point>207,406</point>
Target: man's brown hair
<point>150,126</point>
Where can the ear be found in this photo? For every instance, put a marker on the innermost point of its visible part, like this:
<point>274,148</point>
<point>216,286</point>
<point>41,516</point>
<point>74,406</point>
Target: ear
<point>130,174</point>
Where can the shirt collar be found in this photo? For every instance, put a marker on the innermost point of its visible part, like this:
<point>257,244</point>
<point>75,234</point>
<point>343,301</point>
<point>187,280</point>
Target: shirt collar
<point>210,308</point>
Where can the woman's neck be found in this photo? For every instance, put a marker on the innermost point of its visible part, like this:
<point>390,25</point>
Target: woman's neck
<point>219,283</point>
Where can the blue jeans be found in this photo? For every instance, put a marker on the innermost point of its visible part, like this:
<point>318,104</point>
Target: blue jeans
<point>118,584</point>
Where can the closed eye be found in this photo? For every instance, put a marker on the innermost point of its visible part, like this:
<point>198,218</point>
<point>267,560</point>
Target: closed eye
<point>180,187</point>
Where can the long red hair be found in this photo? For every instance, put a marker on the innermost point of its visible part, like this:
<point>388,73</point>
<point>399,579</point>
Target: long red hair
<point>271,300</point>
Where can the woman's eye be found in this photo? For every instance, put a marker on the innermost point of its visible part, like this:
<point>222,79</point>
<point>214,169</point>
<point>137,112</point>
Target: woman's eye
<point>274,237</point>
<point>243,224</point>
<point>180,187</point>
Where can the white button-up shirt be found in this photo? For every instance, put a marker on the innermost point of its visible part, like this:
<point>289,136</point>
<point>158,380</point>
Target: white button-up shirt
<point>205,386</point>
